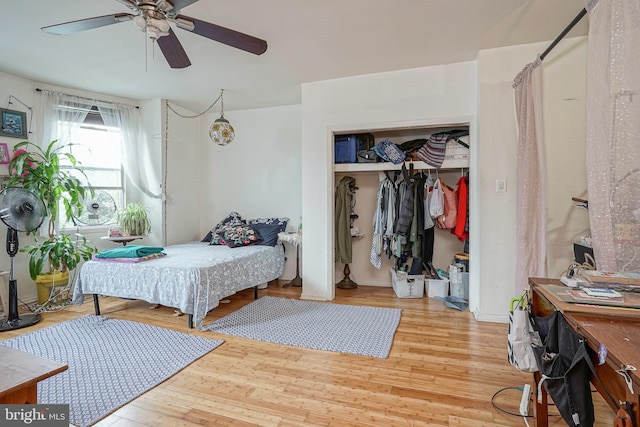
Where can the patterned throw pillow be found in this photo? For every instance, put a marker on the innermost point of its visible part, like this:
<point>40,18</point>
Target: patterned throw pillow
<point>233,218</point>
<point>239,235</point>
<point>269,229</point>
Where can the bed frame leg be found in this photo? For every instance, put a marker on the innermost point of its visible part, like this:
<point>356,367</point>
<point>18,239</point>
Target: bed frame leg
<point>96,304</point>
<point>255,292</point>
<point>190,321</point>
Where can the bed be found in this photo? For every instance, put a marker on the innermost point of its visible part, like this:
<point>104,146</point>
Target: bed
<point>192,277</point>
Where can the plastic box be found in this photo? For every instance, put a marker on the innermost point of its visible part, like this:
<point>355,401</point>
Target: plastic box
<point>461,289</point>
<point>437,287</point>
<point>407,285</point>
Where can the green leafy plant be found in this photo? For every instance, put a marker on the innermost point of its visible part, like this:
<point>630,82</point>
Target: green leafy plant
<point>134,220</point>
<point>61,252</point>
<point>39,171</point>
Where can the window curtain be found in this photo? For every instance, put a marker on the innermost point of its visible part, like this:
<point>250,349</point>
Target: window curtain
<point>135,147</point>
<point>613,133</point>
<point>531,208</point>
<point>61,116</point>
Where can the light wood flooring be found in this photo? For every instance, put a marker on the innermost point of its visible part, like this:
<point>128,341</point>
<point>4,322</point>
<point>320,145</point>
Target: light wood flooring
<point>443,369</point>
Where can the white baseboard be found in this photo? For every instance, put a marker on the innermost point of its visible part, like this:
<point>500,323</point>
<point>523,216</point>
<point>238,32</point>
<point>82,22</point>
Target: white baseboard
<point>494,318</point>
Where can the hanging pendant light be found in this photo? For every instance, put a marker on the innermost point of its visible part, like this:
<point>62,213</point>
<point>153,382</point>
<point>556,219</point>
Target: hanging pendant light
<point>221,132</point>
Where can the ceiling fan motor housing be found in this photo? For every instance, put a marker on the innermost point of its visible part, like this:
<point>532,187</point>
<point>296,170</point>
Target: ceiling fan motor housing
<point>153,17</point>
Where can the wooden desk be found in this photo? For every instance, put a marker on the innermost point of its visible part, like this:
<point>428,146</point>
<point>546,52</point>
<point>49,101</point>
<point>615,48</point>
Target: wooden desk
<point>617,328</point>
<point>20,373</point>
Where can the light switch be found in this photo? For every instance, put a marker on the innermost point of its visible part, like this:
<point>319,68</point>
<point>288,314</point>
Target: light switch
<point>501,185</point>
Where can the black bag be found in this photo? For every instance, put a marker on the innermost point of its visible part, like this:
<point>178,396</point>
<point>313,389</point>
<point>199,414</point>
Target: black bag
<point>367,156</point>
<point>566,369</point>
<point>365,153</point>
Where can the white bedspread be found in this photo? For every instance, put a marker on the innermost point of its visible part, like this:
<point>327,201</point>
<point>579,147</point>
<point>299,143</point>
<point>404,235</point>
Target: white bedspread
<point>193,277</point>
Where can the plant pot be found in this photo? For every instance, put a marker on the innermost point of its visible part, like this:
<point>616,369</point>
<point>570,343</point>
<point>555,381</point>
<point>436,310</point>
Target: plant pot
<point>53,289</point>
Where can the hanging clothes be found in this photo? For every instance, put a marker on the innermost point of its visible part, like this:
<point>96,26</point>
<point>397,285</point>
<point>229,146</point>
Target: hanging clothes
<point>417,224</point>
<point>461,229</point>
<point>428,238</point>
<point>383,220</point>
<point>343,203</point>
<point>406,209</point>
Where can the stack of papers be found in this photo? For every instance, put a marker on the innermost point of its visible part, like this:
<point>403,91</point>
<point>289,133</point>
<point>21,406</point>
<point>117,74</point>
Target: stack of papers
<point>602,293</point>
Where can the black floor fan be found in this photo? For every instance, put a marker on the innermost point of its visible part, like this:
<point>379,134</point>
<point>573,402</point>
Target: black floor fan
<point>20,210</point>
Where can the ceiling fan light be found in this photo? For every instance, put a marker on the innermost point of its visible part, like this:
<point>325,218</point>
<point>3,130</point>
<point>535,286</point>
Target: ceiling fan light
<point>221,132</point>
<point>161,24</point>
<point>153,32</point>
<point>140,22</point>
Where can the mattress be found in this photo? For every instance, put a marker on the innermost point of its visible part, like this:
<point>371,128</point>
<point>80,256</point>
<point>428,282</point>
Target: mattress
<point>192,277</point>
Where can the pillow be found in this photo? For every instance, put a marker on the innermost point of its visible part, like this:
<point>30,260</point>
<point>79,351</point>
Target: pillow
<point>269,229</point>
<point>208,237</point>
<point>239,235</point>
<point>233,218</point>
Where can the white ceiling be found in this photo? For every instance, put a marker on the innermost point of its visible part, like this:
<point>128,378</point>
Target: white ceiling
<point>307,41</point>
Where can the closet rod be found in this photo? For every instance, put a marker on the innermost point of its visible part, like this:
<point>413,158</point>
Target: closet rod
<point>564,32</point>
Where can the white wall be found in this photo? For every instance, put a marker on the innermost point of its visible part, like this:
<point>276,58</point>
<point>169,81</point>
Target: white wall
<point>564,73</point>
<point>257,175</point>
<point>184,175</point>
<point>432,95</point>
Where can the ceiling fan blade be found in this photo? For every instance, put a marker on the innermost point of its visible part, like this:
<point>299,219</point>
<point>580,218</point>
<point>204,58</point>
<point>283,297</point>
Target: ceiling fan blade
<point>179,4</point>
<point>87,24</point>
<point>173,51</point>
<point>225,35</point>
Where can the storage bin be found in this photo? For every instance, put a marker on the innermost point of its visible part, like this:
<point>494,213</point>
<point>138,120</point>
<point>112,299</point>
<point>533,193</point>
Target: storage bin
<point>437,287</point>
<point>407,285</point>
<point>461,289</point>
<point>345,149</point>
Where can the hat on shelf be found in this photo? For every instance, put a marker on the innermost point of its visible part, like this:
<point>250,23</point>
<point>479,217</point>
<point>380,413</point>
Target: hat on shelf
<point>433,151</point>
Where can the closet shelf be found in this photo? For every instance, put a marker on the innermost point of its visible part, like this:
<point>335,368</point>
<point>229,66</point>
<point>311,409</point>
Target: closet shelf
<point>383,166</point>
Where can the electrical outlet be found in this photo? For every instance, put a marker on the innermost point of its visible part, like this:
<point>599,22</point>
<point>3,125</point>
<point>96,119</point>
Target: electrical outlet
<point>524,400</point>
<point>501,185</point>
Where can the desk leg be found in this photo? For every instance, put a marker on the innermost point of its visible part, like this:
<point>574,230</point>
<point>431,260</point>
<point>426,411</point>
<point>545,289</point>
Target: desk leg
<point>541,413</point>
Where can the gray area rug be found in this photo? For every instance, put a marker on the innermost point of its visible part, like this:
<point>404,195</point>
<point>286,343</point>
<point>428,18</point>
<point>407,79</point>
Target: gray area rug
<point>319,325</point>
<point>111,362</point>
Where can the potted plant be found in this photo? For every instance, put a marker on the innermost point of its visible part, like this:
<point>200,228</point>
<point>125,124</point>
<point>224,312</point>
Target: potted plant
<point>39,171</point>
<point>134,220</point>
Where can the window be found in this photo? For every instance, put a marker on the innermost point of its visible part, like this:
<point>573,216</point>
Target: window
<point>97,148</point>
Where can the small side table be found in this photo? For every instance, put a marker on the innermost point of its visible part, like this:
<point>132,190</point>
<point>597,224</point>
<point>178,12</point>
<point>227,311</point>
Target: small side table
<point>122,239</point>
<point>296,240</point>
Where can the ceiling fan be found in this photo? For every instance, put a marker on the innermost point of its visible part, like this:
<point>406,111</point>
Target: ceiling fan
<point>153,18</point>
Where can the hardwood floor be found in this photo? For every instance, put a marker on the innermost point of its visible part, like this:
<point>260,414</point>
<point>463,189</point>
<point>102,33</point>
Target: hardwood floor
<point>443,369</point>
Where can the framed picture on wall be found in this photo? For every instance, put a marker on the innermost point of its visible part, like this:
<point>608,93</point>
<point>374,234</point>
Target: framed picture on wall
<point>14,123</point>
<point>5,157</point>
